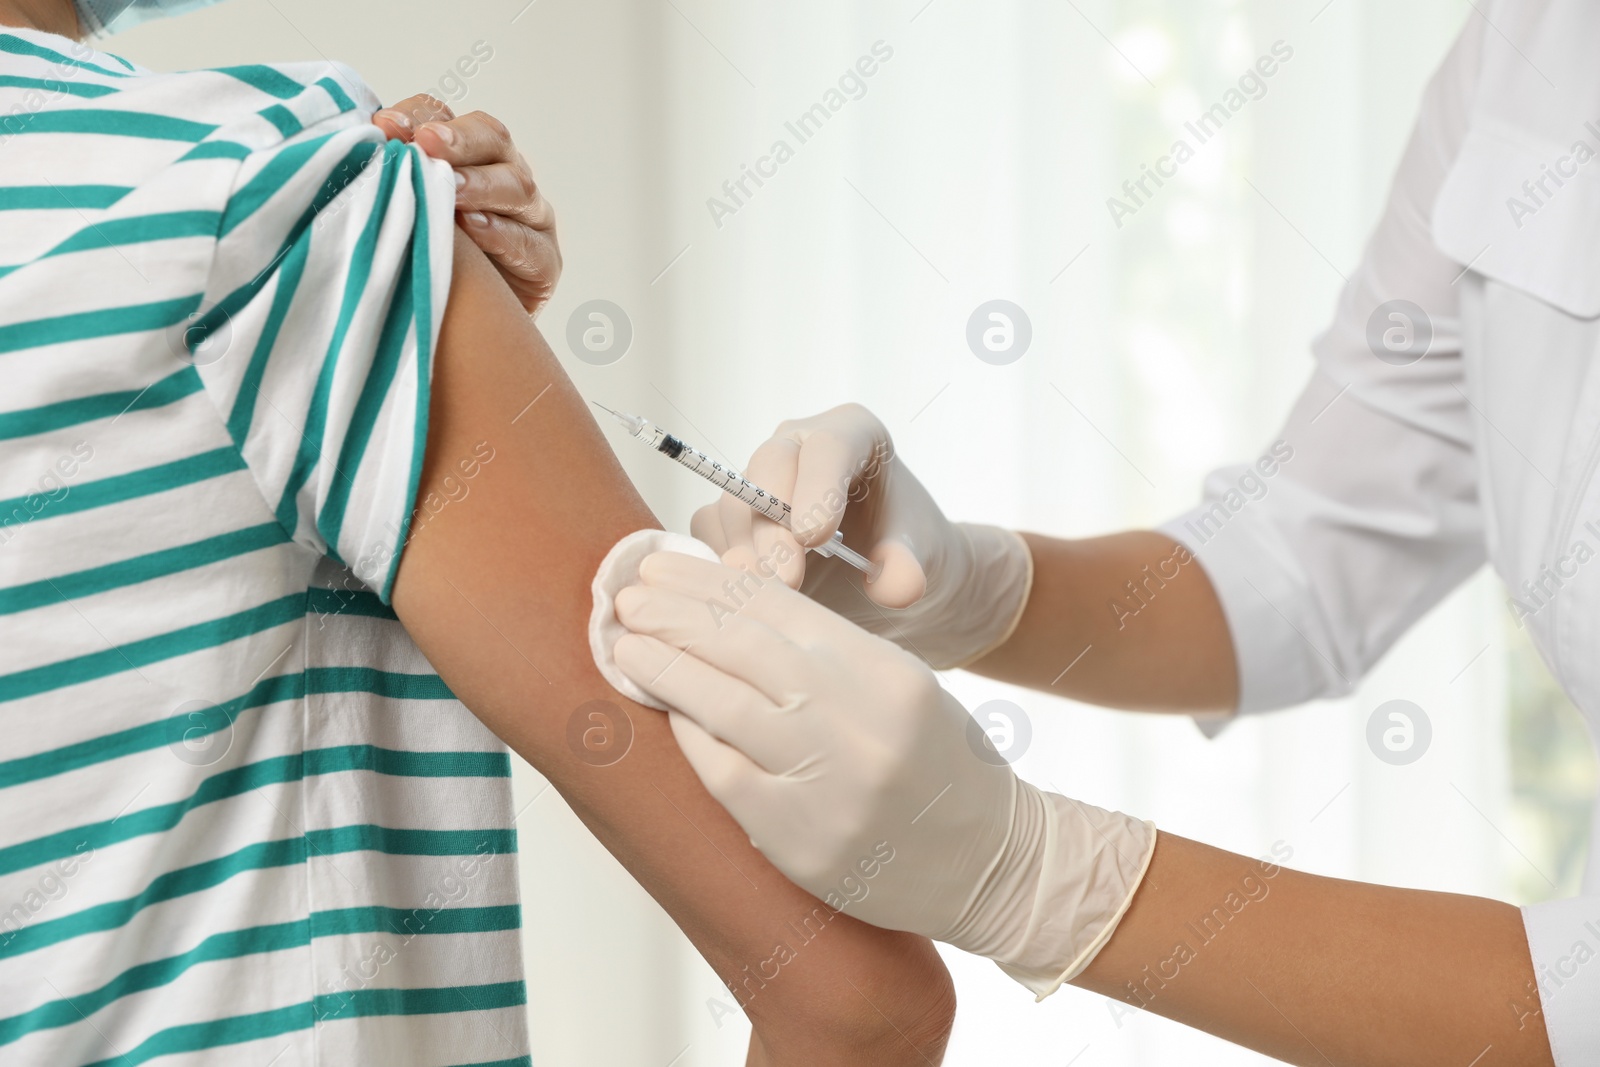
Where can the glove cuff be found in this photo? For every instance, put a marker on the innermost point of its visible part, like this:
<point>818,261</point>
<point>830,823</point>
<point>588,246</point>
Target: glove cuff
<point>979,600</point>
<point>1093,862</point>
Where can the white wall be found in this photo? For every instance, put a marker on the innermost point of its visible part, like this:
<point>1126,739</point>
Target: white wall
<point>976,165</point>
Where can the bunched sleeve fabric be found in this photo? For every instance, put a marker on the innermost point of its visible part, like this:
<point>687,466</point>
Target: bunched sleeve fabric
<point>327,290</point>
<point>1365,512</point>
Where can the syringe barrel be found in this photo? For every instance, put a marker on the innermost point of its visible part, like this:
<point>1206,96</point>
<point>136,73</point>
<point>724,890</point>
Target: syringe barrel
<point>729,481</point>
<point>734,484</point>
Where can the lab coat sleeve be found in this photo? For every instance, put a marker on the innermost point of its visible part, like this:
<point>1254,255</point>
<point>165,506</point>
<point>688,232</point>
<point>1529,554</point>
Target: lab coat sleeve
<point>1364,512</point>
<point>1564,942</point>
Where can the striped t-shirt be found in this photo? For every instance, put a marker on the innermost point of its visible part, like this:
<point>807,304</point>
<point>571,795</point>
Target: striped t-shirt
<point>241,819</point>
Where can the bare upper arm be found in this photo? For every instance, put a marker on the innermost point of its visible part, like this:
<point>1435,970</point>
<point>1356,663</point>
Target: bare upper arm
<point>494,588</point>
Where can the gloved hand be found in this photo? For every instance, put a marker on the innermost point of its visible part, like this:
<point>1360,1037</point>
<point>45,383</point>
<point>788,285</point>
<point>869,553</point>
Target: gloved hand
<point>948,592</point>
<point>865,782</point>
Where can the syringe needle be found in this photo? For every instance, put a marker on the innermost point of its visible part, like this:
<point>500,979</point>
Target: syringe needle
<point>734,484</point>
<point>633,422</point>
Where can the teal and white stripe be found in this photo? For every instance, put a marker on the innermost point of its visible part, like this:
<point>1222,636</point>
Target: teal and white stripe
<point>241,819</point>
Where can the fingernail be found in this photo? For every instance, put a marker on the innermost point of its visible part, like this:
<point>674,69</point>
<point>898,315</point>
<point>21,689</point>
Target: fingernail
<point>461,179</point>
<point>399,118</point>
<point>476,218</point>
<point>445,134</point>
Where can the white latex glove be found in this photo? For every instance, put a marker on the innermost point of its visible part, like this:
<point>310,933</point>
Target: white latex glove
<point>865,782</point>
<point>948,592</point>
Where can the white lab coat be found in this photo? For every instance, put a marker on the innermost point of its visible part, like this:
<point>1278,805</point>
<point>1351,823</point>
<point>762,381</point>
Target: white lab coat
<point>1403,479</point>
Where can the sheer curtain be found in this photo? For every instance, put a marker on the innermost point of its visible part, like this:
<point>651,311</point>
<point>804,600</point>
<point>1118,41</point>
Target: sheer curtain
<point>973,163</point>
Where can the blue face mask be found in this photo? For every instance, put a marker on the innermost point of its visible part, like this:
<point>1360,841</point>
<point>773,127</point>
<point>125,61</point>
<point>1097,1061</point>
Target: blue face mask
<point>103,17</point>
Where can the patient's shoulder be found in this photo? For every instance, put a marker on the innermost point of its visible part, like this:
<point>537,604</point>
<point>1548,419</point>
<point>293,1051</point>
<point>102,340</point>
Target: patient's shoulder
<point>100,151</point>
<point>58,94</point>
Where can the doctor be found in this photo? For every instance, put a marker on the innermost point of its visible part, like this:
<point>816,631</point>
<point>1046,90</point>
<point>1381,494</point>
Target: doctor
<point>1452,417</point>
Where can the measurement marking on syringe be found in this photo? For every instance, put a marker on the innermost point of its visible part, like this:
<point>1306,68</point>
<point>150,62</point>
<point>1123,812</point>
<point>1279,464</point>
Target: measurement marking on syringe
<point>734,484</point>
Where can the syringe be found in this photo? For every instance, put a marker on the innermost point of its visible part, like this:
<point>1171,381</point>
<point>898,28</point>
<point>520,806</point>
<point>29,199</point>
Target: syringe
<point>735,485</point>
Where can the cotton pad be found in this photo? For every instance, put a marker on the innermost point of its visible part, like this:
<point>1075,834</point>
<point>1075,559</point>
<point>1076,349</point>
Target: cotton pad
<point>619,570</point>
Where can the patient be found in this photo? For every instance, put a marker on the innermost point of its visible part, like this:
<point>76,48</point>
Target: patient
<point>297,519</point>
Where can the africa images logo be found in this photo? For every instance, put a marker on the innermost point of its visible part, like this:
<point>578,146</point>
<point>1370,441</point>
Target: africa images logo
<point>1252,85</point>
<point>852,85</point>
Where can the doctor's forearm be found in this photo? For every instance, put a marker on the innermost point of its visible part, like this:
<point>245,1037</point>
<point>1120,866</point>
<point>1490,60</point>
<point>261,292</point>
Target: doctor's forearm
<point>1322,971</point>
<point>1160,644</point>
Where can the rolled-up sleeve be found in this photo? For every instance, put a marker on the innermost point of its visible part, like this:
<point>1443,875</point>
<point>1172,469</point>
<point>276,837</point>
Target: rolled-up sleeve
<point>1364,512</point>
<point>329,282</point>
